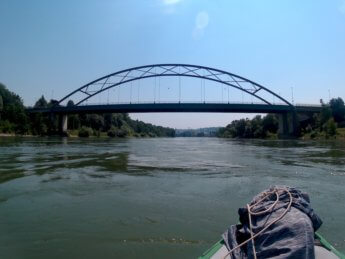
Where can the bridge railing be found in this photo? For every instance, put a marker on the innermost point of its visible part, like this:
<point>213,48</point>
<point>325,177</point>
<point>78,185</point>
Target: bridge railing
<point>169,102</point>
<point>307,105</point>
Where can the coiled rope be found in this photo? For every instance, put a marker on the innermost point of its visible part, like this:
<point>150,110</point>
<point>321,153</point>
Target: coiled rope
<point>251,213</point>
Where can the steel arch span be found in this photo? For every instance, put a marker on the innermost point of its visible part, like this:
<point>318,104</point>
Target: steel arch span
<point>172,70</point>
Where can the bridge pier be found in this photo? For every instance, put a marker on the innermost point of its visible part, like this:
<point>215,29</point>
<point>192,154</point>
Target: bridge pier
<point>63,119</point>
<point>287,125</point>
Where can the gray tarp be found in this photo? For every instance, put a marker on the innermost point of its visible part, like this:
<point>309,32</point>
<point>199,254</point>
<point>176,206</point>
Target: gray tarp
<point>290,237</point>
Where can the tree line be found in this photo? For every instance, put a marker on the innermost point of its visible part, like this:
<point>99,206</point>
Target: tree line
<point>258,127</point>
<point>14,119</point>
<point>330,122</point>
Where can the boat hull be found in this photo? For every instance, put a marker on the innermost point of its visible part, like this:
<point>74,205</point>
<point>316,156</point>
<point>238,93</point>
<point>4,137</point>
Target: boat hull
<point>324,250</point>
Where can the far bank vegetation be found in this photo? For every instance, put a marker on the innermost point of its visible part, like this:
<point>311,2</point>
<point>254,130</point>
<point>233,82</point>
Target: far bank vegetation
<point>14,120</point>
<point>328,124</point>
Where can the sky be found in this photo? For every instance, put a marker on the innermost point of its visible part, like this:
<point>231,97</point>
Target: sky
<point>295,48</point>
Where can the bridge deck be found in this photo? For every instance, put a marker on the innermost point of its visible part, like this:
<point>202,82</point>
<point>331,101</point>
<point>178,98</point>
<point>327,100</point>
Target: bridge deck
<point>176,107</point>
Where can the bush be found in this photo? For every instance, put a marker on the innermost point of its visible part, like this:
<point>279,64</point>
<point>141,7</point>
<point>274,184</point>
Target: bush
<point>6,127</point>
<point>330,127</point>
<point>125,130</point>
<point>308,129</point>
<point>122,133</point>
<point>96,133</point>
<point>112,132</point>
<point>313,134</point>
<point>85,132</point>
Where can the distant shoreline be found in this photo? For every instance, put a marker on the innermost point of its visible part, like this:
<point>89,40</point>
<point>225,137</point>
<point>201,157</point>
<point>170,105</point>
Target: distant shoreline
<point>305,138</point>
<point>16,135</point>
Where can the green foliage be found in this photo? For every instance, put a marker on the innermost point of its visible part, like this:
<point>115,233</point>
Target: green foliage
<point>41,103</point>
<point>73,122</point>
<point>313,134</point>
<point>70,103</point>
<point>112,132</point>
<point>122,132</point>
<point>13,111</point>
<point>125,131</point>
<point>15,120</point>
<point>256,128</point>
<point>325,115</point>
<point>326,122</point>
<point>270,123</point>
<point>95,121</point>
<point>338,109</point>
<point>118,125</point>
<point>1,104</point>
<point>39,124</point>
<point>96,133</point>
<point>330,127</point>
<point>146,128</point>
<point>85,132</point>
<point>6,126</point>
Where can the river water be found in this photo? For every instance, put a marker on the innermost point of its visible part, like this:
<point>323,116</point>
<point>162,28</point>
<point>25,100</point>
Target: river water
<point>151,198</point>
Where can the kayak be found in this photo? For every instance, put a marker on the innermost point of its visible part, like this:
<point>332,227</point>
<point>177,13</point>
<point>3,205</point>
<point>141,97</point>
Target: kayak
<point>323,250</point>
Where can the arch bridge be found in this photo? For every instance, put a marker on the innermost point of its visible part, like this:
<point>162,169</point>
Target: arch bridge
<point>126,77</point>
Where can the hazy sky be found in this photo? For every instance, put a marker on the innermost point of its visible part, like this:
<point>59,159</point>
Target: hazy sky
<point>53,47</point>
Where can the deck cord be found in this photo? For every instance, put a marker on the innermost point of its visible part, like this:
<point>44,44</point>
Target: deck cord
<point>251,213</point>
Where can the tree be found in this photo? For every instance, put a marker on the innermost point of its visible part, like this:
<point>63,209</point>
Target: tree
<point>13,110</point>
<point>15,119</point>
<point>270,123</point>
<point>73,121</point>
<point>85,132</point>
<point>108,121</point>
<point>257,127</point>
<point>125,130</point>
<point>41,103</point>
<point>330,127</point>
<point>324,116</point>
<point>1,105</point>
<point>38,124</point>
<point>70,103</point>
<point>338,109</point>
<point>112,132</point>
<point>53,103</point>
<point>240,128</point>
<point>42,124</point>
<point>96,121</point>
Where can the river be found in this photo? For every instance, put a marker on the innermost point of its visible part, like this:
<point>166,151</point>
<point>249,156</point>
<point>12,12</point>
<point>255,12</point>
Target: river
<point>152,198</point>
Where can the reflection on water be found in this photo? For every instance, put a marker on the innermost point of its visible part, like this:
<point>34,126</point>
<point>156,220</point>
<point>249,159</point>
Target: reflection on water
<point>76,198</point>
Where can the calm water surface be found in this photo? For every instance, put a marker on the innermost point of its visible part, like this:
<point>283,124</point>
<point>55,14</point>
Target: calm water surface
<point>151,198</point>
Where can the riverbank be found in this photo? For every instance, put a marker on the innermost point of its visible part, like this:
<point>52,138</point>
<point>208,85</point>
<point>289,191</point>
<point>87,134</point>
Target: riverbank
<point>74,134</point>
<point>7,135</point>
<point>340,135</point>
<point>315,135</point>
<point>16,135</point>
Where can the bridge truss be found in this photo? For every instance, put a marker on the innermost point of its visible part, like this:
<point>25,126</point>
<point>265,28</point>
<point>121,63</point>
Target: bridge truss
<point>171,70</point>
